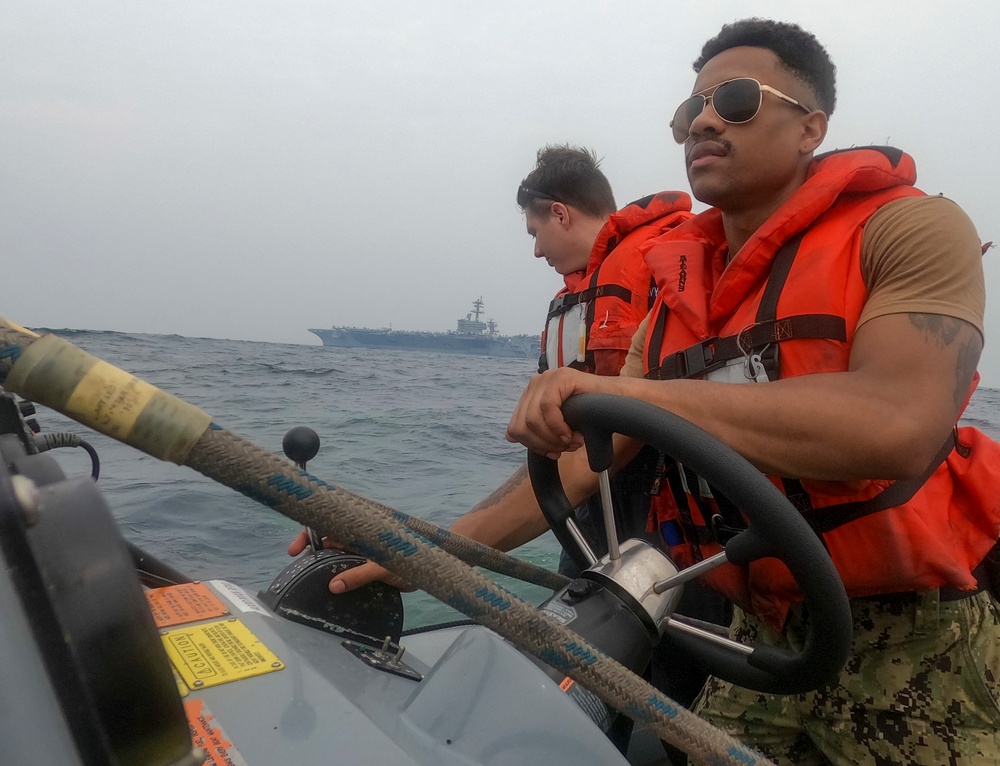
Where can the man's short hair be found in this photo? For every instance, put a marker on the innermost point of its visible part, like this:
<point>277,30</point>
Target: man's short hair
<point>798,51</point>
<point>567,174</point>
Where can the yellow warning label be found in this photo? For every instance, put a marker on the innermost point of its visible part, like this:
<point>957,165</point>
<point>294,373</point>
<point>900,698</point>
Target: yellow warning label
<point>218,652</point>
<point>188,602</point>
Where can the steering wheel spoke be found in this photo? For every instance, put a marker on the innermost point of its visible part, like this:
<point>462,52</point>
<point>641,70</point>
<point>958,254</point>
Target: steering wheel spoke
<point>692,572</point>
<point>704,634</point>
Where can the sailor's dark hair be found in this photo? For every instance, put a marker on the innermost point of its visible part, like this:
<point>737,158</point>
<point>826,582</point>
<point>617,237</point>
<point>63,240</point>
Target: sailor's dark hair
<point>798,51</point>
<point>567,174</point>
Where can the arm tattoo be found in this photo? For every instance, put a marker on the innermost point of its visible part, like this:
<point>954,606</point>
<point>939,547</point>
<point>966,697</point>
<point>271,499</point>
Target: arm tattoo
<point>943,331</point>
<point>940,329</point>
<point>505,489</point>
<point>968,358</point>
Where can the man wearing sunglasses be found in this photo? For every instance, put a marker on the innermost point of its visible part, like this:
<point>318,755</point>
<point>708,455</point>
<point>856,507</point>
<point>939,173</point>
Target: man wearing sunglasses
<point>823,318</point>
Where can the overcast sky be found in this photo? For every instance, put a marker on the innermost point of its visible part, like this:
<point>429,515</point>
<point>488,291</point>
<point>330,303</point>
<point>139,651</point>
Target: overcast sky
<point>249,169</point>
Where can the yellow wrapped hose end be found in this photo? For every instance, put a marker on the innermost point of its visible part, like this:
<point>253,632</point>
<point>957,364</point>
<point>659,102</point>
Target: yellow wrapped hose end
<point>53,372</point>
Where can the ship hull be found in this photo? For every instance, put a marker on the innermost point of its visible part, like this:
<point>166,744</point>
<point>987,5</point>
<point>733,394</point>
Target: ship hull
<point>518,347</point>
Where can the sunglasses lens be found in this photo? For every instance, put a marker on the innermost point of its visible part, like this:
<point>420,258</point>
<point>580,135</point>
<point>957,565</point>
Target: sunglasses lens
<point>737,100</point>
<point>684,116</point>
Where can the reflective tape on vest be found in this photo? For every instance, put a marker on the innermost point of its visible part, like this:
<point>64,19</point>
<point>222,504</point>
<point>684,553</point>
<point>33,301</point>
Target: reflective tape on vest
<point>566,337</point>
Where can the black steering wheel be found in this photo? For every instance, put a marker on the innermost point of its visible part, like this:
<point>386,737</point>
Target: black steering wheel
<point>776,529</point>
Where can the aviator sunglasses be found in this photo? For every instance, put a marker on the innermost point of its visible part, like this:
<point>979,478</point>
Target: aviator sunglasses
<point>735,101</point>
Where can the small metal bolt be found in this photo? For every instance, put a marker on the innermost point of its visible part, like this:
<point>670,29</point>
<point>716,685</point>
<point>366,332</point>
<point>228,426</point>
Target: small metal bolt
<point>275,664</point>
<point>198,684</point>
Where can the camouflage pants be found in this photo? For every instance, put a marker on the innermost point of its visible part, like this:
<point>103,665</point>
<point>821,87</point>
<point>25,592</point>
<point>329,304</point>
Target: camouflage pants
<point>921,686</point>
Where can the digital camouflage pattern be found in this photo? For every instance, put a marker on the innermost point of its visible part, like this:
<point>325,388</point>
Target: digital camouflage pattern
<point>921,686</point>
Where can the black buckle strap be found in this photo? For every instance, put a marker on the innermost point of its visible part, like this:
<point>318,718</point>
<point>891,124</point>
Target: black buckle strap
<point>715,352</point>
<point>563,303</point>
<point>694,360</point>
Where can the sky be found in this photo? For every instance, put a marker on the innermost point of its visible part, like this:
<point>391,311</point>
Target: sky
<point>251,169</point>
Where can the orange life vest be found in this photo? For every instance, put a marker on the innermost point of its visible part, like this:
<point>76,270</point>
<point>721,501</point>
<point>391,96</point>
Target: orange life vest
<point>590,323</point>
<point>786,305</point>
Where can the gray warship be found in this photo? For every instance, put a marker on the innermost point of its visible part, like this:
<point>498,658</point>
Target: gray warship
<point>472,335</point>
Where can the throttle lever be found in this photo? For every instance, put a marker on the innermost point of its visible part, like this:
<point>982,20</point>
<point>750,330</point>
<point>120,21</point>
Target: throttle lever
<point>300,445</point>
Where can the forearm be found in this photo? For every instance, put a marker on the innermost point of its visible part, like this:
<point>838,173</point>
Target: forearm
<point>510,516</point>
<point>883,418</point>
<point>834,426</point>
<point>507,518</point>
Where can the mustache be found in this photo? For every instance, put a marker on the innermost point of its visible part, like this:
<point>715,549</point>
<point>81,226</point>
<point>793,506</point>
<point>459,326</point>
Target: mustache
<point>691,145</point>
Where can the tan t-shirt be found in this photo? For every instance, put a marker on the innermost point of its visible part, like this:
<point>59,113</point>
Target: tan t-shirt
<point>918,255</point>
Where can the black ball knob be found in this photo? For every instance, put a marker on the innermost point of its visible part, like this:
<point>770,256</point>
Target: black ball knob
<point>300,444</point>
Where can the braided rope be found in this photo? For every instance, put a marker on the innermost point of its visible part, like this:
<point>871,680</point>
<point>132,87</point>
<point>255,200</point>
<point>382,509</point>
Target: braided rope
<point>475,553</point>
<point>384,538</point>
<point>470,551</point>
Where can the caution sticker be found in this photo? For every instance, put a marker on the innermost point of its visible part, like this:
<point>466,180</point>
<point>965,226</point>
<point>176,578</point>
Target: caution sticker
<point>180,604</point>
<point>209,736</point>
<point>218,652</point>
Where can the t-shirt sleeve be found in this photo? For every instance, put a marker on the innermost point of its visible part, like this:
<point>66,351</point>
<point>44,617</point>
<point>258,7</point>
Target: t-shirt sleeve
<point>922,255</point>
<point>633,367</point>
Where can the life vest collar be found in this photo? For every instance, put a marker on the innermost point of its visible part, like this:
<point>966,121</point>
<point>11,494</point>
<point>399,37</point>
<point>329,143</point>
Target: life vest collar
<point>631,217</point>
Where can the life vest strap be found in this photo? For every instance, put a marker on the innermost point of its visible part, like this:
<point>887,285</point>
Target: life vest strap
<point>713,353</point>
<point>563,303</point>
<point>899,492</point>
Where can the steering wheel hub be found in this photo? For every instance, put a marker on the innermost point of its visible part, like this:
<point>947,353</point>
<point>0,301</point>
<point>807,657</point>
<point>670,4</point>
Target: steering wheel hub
<point>631,577</point>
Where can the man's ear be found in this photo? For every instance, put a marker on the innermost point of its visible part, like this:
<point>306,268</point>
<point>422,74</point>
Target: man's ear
<point>814,127</point>
<point>562,213</point>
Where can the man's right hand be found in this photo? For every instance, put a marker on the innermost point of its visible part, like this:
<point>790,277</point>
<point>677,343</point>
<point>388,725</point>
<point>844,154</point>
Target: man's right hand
<point>353,578</point>
<point>509,517</point>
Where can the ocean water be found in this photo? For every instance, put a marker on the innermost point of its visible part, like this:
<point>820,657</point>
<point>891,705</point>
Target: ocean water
<point>419,432</point>
<point>422,433</point>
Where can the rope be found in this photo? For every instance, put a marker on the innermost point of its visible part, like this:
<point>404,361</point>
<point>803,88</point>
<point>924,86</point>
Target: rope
<point>470,551</point>
<point>256,473</point>
<point>477,554</point>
